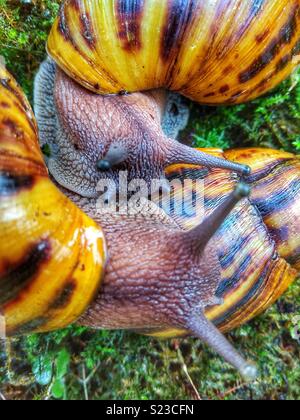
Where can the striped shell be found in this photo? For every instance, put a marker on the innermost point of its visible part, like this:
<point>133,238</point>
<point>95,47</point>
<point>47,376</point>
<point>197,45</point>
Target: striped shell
<point>51,254</point>
<point>259,244</point>
<point>214,52</point>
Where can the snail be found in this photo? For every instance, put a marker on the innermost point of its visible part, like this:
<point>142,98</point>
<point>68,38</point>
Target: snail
<point>150,272</point>
<point>216,52</point>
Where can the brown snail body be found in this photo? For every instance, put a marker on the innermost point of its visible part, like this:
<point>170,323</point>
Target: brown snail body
<point>216,52</point>
<point>257,248</point>
<point>83,130</point>
<point>156,276</point>
<point>158,273</point>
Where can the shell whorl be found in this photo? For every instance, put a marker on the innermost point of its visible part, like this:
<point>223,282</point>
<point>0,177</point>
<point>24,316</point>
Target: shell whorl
<point>52,255</point>
<point>214,52</point>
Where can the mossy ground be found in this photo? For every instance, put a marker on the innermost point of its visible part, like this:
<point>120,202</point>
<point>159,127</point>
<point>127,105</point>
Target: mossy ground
<point>79,363</point>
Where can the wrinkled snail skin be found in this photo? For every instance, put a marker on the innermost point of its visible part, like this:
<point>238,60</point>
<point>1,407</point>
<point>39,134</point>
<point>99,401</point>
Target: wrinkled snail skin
<point>257,248</point>
<point>255,252</point>
<point>52,255</point>
<point>159,276</point>
<point>214,52</point>
<point>96,136</point>
<point>87,128</point>
<point>258,245</point>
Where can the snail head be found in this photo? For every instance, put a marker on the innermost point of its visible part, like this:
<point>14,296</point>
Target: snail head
<point>92,136</point>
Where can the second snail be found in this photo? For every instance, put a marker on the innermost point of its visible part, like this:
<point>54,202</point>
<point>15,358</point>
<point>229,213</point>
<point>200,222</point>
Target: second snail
<point>157,274</point>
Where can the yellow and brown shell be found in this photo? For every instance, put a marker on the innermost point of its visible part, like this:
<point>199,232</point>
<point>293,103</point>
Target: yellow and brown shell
<point>214,52</point>
<point>52,255</point>
<point>259,243</point>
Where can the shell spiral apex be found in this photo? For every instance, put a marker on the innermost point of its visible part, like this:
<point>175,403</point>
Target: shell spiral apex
<point>214,52</point>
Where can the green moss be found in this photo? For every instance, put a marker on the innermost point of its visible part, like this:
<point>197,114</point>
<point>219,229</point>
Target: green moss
<point>79,363</point>
<point>271,121</point>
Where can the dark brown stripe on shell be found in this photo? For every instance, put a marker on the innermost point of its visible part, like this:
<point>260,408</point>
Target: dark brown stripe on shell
<point>179,16</point>
<point>279,200</point>
<point>129,16</point>
<point>13,184</point>
<point>294,258</point>
<point>235,96</point>
<point>262,36</point>
<point>65,32</point>
<point>18,276</point>
<point>24,108</point>
<point>4,105</point>
<point>12,126</point>
<point>262,86</point>
<point>242,27</point>
<point>285,36</point>
<point>228,70</point>
<point>275,166</point>
<point>11,163</point>
<point>62,23</point>
<point>296,49</point>
<point>224,89</point>
<point>279,235</point>
<point>209,95</point>
<point>6,84</point>
<point>283,62</point>
<point>87,30</point>
<point>255,291</point>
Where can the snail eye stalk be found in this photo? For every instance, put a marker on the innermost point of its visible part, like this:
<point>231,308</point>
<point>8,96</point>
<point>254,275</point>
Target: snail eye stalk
<point>197,323</point>
<point>208,333</point>
<point>180,153</point>
<point>201,235</point>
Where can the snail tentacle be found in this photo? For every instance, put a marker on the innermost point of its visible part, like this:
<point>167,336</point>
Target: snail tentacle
<point>157,276</point>
<point>258,244</point>
<point>180,153</point>
<point>208,333</point>
<point>117,153</point>
<point>197,321</point>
